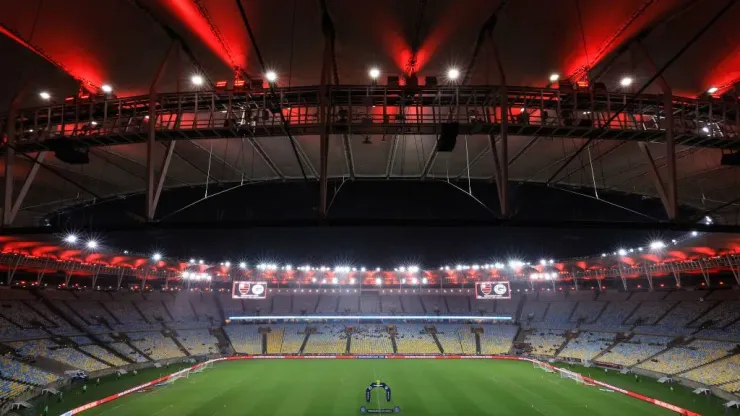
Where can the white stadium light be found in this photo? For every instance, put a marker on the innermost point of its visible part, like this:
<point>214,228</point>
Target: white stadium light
<point>106,88</point>
<point>603,254</point>
<point>554,77</point>
<point>458,267</point>
<point>424,281</point>
<point>622,252</point>
<point>378,281</point>
<point>192,261</point>
<point>515,264</point>
<point>288,267</point>
<point>45,95</point>
<point>242,265</point>
<point>197,80</point>
<point>271,76</point>
<point>374,73</point>
<point>414,281</point>
<point>70,238</point>
<point>694,233</point>
<point>313,280</point>
<point>92,244</point>
<point>403,281</point>
<point>227,264</point>
<point>156,257</point>
<point>626,81</point>
<point>413,269</point>
<point>657,245</point>
<point>705,129</point>
<point>352,281</point>
<point>551,261</point>
<point>712,90</point>
<point>362,269</point>
<point>453,74</point>
<point>476,267</point>
<point>200,261</point>
<point>543,262</point>
<point>499,265</point>
<point>334,281</point>
<point>402,269</point>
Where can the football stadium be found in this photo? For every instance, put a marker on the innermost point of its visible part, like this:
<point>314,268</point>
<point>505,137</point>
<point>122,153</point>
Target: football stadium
<point>348,207</point>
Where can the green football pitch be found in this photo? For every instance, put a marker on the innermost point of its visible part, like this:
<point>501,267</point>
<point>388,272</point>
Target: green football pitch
<point>420,387</point>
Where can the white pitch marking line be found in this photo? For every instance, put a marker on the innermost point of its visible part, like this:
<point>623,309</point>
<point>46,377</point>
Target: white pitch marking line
<point>165,408</point>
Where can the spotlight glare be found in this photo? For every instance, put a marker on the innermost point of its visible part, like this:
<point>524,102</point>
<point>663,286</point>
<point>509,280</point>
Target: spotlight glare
<point>71,239</point>
<point>156,257</point>
<point>271,76</point>
<point>424,281</point>
<point>554,77</point>
<point>242,265</point>
<point>712,90</point>
<point>197,80</point>
<point>378,281</point>
<point>106,88</point>
<point>694,233</point>
<point>625,82</point>
<point>657,245</point>
<point>374,73</point>
<point>92,244</point>
<point>44,95</point>
<point>622,252</point>
<point>453,74</point>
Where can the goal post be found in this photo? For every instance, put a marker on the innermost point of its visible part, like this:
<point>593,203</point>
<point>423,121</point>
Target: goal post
<point>544,367</point>
<point>573,376</point>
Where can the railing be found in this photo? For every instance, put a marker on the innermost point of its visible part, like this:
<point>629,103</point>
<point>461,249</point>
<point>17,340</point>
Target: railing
<point>379,110</point>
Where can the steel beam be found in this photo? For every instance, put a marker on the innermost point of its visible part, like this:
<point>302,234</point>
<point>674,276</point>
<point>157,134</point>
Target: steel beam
<point>9,162</point>
<point>659,186</point>
<point>151,204</point>
<point>733,268</point>
<point>670,195</point>
<point>649,277</point>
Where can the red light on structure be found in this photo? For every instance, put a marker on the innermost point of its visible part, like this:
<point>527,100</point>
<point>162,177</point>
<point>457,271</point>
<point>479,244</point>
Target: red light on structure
<point>221,85</point>
<point>662,285</point>
<point>639,286</point>
<point>84,96</point>
<point>69,99</point>
<point>582,84</point>
<point>721,283</point>
<point>239,83</point>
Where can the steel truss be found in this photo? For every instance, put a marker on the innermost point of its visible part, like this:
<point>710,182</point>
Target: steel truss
<point>380,110</point>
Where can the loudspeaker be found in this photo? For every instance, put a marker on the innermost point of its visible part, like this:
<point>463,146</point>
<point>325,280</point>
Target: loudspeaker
<point>730,159</point>
<point>448,137</point>
<point>71,152</point>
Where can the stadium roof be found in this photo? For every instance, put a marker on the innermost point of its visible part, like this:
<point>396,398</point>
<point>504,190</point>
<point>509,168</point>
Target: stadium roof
<point>57,46</point>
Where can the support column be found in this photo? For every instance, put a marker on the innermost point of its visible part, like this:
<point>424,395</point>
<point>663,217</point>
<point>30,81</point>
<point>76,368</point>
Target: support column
<point>621,276</point>
<point>649,277</point>
<point>733,268</point>
<point>96,272</point>
<point>502,181</point>
<point>704,272</point>
<point>11,271</point>
<point>575,282</point>
<point>120,279</point>
<point>67,278</point>
<point>40,273</point>
<point>676,274</point>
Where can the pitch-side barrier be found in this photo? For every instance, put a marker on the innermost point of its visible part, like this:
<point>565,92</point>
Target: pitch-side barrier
<point>99,402</point>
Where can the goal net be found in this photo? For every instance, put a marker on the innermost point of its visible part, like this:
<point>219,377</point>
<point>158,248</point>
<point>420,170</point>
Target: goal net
<point>177,376</point>
<point>203,367</point>
<point>540,366</point>
<point>573,376</point>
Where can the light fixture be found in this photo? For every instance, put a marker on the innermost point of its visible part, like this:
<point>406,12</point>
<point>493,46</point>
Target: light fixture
<point>554,77</point>
<point>712,90</point>
<point>156,257</point>
<point>543,262</point>
<point>92,244</point>
<point>70,238</point>
<point>625,82</point>
<point>197,80</point>
<point>622,252</point>
<point>242,265</point>
<point>378,281</point>
<point>334,281</point>
<point>44,95</point>
<point>705,129</point>
<point>227,264</point>
<point>106,88</point>
<point>271,76</point>
<point>414,281</point>
<point>192,261</point>
<point>453,74</point>
<point>657,245</point>
<point>424,281</point>
<point>200,261</point>
<point>694,233</point>
<point>374,73</point>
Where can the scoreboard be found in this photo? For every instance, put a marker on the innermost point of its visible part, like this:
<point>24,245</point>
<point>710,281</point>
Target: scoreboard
<point>492,290</point>
<point>249,290</point>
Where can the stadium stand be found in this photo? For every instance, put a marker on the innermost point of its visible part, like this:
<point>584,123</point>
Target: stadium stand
<point>680,359</point>
<point>328,339</point>
<point>245,339</point>
<point>305,305</point>
<point>127,351</point>
<point>370,304</point>
<point>719,372</point>
<point>349,304</point>
<point>371,339</point>
<point>412,305</point>
<point>23,372</point>
<point>456,339</point>
<point>198,341</point>
<point>285,339</point>
<point>103,354</point>
<point>10,389</point>
<point>327,305</point>
<point>414,339</point>
<point>155,345</point>
<point>587,345</point>
<point>545,341</point>
<point>434,304</point>
<point>497,339</point>
<point>635,349</point>
<point>391,305</point>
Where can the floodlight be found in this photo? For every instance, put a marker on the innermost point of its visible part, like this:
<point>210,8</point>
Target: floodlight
<point>424,281</point>
<point>227,264</point>
<point>378,281</point>
<point>192,261</point>
<point>71,239</point>
<point>92,244</point>
<point>197,80</point>
<point>44,95</point>
<point>106,88</point>
<point>414,281</point>
<point>453,74</point>
<point>622,252</point>
<point>712,90</point>
<point>374,73</point>
<point>694,233</point>
<point>156,257</point>
<point>554,77</point>
<point>271,76</point>
<point>657,245</point>
<point>626,81</point>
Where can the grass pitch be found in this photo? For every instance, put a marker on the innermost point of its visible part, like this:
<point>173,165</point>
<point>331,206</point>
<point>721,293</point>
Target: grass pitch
<point>337,387</point>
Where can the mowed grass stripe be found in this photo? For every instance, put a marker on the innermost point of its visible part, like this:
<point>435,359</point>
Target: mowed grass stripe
<point>337,387</point>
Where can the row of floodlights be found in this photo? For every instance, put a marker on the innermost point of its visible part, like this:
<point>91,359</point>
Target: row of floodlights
<point>453,74</point>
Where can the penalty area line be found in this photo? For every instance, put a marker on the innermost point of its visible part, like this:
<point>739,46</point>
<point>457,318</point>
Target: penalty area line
<point>163,409</point>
